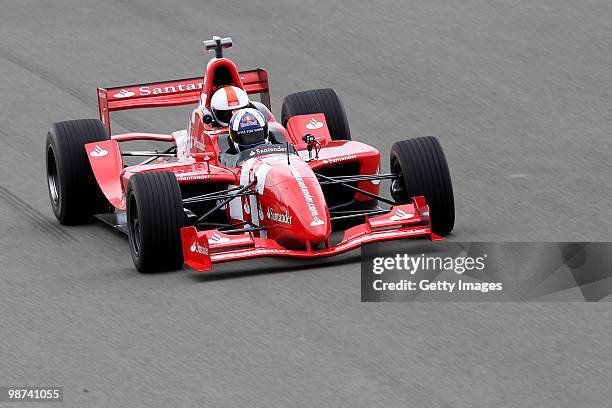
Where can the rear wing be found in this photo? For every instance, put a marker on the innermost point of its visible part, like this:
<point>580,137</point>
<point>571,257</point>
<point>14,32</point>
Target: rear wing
<point>171,93</point>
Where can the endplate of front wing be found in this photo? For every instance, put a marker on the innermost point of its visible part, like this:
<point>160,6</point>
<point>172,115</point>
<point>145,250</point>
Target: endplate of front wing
<point>201,249</point>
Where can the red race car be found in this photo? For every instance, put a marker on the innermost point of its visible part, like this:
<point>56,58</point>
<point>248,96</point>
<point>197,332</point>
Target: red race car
<point>200,202</point>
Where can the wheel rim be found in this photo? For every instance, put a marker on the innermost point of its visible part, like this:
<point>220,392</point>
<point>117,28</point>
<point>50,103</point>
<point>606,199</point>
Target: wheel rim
<point>134,225</point>
<point>52,178</point>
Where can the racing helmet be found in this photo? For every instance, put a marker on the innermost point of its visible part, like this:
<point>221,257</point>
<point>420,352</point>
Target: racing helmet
<point>248,128</point>
<point>225,101</point>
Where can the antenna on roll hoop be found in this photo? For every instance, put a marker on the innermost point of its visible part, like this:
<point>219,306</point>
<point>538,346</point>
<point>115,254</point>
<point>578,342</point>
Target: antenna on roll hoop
<point>217,44</point>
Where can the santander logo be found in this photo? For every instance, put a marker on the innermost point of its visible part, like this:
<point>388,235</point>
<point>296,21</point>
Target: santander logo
<point>401,215</point>
<point>167,88</point>
<point>339,159</point>
<point>198,249</point>
<point>217,239</point>
<point>98,152</point>
<point>276,149</point>
<point>124,93</point>
<point>314,124</point>
<point>284,218</point>
<point>316,221</point>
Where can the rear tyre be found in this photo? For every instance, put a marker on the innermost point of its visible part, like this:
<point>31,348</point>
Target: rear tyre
<point>424,171</point>
<point>155,218</point>
<point>324,101</point>
<point>73,190</point>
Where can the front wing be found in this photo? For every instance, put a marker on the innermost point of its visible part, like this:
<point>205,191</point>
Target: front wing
<point>201,249</point>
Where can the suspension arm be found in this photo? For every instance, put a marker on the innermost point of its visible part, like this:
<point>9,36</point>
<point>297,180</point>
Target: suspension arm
<point>365,177</point>
<point>379,197</point>
<point>224,202</point>
<point>210,196</point>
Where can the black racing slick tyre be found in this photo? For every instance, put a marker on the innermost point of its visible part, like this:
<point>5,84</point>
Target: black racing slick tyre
<point>155,217</point>
<point>324,101</point>
<point>424,172</point>
<point>73,190</point>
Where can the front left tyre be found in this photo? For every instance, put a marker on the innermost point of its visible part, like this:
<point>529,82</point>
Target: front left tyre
<point>73,190</point>
<point>423,171</point>
<point>325,101</point>
<point>155,217</point>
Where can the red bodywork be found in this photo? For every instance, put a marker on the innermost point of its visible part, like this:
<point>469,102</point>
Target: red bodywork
<point>289,202</point>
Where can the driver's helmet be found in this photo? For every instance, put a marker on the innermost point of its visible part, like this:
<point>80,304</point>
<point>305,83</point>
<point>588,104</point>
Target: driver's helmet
<point>248,128</point>
<point>225,101</point>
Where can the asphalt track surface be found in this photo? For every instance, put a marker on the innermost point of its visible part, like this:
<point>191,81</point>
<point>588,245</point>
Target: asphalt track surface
<point>519,94</point>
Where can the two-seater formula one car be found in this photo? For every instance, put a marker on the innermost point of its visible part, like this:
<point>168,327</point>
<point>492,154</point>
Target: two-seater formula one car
<point>196,202</point>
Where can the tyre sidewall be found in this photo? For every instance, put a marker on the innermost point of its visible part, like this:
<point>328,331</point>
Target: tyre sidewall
<point>60,209</point>
<point>133,197</point>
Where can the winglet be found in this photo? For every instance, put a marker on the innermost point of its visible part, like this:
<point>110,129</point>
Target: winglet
<point>196,251</point>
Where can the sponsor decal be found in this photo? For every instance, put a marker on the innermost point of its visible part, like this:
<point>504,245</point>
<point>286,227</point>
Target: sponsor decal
<point>261,213</point>
<point>247,121</point>
<point>280,217</point>
<point>147,90</point>
<point>247,208</point>
<point>124,93</point>
<point>215,238</point>
<point>376,182</point>
<point>198,249</point>
<point>276,149</point>
<point>98,152</point>
<point>191,178</point>
<point>340,159</point>
<point>316,220</point>
<point>401,215</point>
<point>314,124</point>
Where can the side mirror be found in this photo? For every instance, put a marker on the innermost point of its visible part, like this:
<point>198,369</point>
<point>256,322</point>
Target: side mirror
<point>311,142</point>
<point>207,117</point>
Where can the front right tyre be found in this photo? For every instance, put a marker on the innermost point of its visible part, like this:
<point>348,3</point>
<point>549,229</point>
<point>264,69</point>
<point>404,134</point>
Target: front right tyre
<point>155,217</point>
